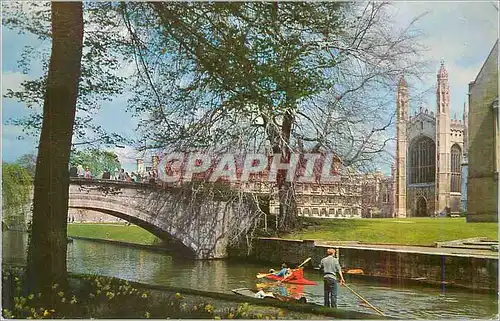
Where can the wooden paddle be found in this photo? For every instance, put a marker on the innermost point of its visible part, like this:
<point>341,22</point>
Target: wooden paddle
<point>359,296</point>
<point>263,275</point>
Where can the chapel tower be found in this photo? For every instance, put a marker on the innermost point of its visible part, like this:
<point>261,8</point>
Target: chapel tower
<point>443,141</point>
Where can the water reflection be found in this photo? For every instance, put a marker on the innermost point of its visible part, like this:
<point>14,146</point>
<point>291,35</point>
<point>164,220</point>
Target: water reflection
<point>222,276</point>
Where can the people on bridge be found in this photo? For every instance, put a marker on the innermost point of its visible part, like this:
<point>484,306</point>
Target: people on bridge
<point>73,171</point>
<point>331,267</point>
<point>87,173</point>
<point>106,174</point>
<point>81,171</point>
<point>121,176</point>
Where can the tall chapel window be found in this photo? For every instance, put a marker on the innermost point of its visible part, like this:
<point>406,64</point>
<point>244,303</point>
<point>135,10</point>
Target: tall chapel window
<point>422,161</point>
<point>456,175</point>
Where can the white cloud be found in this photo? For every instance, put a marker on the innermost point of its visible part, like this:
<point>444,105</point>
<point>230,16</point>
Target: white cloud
<point>460,33</point>
<point>12,80</point>
<point>127,156</point>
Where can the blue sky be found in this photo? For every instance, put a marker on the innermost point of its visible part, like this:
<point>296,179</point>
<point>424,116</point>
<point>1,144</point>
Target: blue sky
<point>460,33</point>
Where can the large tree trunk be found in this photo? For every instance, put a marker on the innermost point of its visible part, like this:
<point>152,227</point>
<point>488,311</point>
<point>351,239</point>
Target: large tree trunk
<point>47,248</point>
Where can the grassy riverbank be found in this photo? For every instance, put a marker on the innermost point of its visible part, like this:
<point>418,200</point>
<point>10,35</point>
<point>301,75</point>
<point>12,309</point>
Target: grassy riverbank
<point>408,231</point>
<point>114,232</point>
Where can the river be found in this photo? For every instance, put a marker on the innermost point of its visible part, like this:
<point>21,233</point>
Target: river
<point>134,264</point>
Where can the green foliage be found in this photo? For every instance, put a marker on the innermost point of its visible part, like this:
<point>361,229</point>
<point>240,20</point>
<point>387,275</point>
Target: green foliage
<point>105,297</point>
<point>28,162</point>
<point>96,160</point>
<point>16,192</point>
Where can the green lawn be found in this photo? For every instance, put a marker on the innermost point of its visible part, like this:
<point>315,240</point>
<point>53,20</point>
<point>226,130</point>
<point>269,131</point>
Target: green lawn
<point>407,231</point>
<point>414,231</point>
<point>115,232</point>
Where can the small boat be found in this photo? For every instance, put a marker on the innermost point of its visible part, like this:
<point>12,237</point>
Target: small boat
<point>274,296</point>
<point>297,277</point>
<point>303,281</point>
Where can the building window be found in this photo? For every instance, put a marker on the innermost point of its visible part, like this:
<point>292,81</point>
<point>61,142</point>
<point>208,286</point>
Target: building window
<point>323,212</point>
<point>456,169</point>
<point>331,212</point>
<point>423,161</point>
<point>306,212</point>
<point>339,212</point>
<point>315,212</point>
<point>316,200</point>
<point>299,211</point>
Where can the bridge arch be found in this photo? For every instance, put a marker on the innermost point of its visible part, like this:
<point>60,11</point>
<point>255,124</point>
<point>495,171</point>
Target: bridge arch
<point>137,218</point>
<point>198,223</point>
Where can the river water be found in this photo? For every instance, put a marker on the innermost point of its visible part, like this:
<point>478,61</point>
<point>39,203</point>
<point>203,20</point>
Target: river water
<point>403,302</point>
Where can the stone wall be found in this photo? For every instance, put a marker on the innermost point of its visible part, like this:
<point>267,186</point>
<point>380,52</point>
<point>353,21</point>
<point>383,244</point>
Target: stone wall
<point>469,272</point>
<point>482,196</point>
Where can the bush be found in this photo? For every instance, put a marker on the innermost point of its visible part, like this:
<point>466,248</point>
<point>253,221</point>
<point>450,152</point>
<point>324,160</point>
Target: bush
<point>105,297</point>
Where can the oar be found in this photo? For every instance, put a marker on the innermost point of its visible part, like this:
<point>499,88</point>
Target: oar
<point>359,296</point>
<point>263,275</point>
<point>298,267</point>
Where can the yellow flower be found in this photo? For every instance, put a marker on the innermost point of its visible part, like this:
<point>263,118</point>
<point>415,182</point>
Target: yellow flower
<point>144,295</point>
<point>63,300</point>
<point>60,294</point>
<point>55,286</point>
<point>209,308</point>
<point>217,317</point>
<point>73,300</point>
<point>98,292</point>
<point>92,295</point>
<point>31,296</point>
<point>147,315</point>
<point>280,313</point>
<point>46,313</point>
<point>230,315</point>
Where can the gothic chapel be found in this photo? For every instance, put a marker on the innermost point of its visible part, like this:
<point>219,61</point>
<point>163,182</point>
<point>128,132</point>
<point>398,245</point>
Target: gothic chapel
<point>429,153</point>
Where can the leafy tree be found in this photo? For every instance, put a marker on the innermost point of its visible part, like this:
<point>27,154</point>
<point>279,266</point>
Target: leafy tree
<point>16,194</point>
<point>28,162</point>
<point>260,77</point>
<point>48,239</point>
<point>96,160</point>
<point>270,77</point>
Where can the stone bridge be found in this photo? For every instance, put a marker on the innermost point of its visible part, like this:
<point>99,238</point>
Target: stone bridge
<point>199,220</point>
